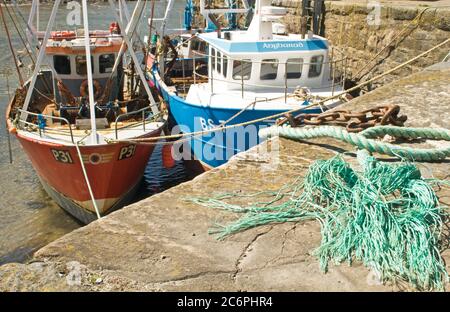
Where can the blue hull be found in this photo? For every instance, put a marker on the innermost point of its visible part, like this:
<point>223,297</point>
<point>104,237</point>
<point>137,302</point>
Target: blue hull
<point>216,148</point>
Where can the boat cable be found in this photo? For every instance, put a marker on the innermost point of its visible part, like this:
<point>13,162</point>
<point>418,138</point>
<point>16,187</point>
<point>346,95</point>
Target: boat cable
<point>19,74</point>
<point>19,33</point>
<point>8,134</point>
<point>364,139</point>
<point>283,114</point>
<point>30,54</point>
<point>16,6</point>
<point>150,28</point>
<point>121,52</point>
<point>407,27</point>
<point>86,178</point>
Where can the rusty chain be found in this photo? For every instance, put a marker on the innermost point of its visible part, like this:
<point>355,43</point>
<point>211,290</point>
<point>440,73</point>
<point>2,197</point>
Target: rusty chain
<point>352,121</point>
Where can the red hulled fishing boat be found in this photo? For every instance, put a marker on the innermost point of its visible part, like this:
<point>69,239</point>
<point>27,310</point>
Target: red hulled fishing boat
<point>77,119</point>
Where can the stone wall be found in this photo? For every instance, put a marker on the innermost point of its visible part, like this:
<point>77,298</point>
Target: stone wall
<point>346,27</point>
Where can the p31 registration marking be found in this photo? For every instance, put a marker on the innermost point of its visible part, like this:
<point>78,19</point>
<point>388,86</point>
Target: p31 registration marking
<point>62,156</point>
<point>127,152</point>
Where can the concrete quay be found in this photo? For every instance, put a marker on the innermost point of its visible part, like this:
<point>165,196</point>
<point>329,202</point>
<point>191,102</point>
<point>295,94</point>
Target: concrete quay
<point>162,243</point>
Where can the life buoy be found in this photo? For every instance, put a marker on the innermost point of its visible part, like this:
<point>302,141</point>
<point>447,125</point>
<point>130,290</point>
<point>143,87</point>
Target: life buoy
<point>65,34</point>
<point>114,28</point>
<point>84,90</point>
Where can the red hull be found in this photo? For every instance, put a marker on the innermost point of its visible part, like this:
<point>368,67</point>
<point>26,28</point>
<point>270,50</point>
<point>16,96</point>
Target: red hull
<point>113,170</point>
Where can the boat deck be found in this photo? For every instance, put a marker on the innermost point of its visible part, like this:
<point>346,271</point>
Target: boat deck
<point>200,94</point>
<point>61,134</point>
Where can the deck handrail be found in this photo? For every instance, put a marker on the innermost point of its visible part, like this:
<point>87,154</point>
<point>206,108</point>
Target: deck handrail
<point>142,110</point>
<point>332,63</point>
<point>46,116</point>
<point>204,55</point>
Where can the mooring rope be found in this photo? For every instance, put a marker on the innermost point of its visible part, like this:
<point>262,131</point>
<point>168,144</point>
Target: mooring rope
<point>407,27</point>
<point>363,139</point>
<point>86,178</point>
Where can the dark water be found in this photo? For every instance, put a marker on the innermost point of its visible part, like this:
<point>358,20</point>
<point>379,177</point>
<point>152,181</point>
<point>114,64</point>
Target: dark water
<point>29,219</point>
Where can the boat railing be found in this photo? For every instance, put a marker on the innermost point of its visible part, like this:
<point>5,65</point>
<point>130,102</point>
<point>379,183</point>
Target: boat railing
<point>43,127</point>
<point>121,116</point>
<point>337,70</point>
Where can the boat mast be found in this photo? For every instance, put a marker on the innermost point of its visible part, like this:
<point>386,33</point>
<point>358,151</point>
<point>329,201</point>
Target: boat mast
<point>125,11</point>
<point>128,30</point>
<point>133,21</point>
<point>40,58</point>
<point>87,45</point>
<point>232,9</point>
<point>162,31</point>
<point>31,29</point>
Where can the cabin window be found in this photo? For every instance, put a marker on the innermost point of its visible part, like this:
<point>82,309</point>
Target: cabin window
<point>199,46</point>
<point>242,69</point>
<point>294,68</point>
<point>225,66</point>
<point>195,45</point>
<point>213,56</point>
<point>219,62</point>
<point>315,67</point>
<point>106,63</point>
<point>269,69</point>
<point>62,64</point>
<point>80,61</point>
<point>202,47</point>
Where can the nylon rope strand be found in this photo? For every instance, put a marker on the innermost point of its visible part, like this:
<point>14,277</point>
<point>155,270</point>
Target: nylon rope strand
<point>386,216</point>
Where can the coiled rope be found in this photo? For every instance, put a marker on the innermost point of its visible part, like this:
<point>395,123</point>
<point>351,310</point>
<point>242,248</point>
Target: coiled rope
<point>364,139</point>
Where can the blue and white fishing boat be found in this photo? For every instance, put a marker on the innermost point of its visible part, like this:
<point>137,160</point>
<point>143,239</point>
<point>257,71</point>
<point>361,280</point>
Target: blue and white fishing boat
<point>250,74</point>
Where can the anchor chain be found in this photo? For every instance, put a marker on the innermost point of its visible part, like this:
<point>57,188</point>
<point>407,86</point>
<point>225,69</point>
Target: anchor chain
<point>352,121</point>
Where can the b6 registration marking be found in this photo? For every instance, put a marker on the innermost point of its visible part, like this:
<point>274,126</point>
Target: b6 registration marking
<point>127,152</point>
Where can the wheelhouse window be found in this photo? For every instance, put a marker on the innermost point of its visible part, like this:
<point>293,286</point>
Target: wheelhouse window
<point>294,68</point>
<point>80,62</point>
<point>219,62</point>
<point>106,63</point>
<point>242,69</point>
<point>225,66</point>
<point>269,69</point>
<point>62,64</point>
<point>195,44</point>
<point>198,45</point>
<point>315,66</point>
<point>213,58</point>
<point>202,47</point>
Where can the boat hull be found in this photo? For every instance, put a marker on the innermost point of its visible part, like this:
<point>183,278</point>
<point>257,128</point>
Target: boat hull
<point>113,170</point>
<point>215,149</point>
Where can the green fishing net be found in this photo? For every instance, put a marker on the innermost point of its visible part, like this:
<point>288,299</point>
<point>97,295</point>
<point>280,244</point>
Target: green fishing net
<point>385,215</point>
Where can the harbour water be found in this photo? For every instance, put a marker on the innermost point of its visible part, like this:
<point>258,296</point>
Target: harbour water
<point>29,219</point>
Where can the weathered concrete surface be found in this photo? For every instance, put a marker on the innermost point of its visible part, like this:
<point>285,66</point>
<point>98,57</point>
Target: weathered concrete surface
<point>162,243</point>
